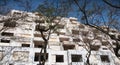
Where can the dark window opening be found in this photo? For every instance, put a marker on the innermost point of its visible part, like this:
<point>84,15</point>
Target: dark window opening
<point>96,31</point>
<point>10,24</point>
<point>93,64</point>
<point>114,43</point>
<point>36,58</point>
<point>76,32</point>
<point>67,46</point>
<point>25,45</point>
<point>63,39</point>
<point>59,58</point>
<point>28,29</point>
<point>76,58</point>
<point>118,55</point>
<point>105,58</point>
<point>10,64</point>
<point>114,49</point>
<point>95,48</point>
<point>37,28</point>
<point>86,40</point>
<point>105,43</point>
<point>60,26</point>
<point>37,35</point>
<point>60,33</point>
<point>113,36</point>
<point>119,37</point>
<point>104,48</point>
<point>7,34</point>
<point>5,41</point>
<point>113,31</point>
<point>39,21</point>
<point>85,33</point>
<point>18,13</point>
<point>76,40</point>
<point>38,44</point>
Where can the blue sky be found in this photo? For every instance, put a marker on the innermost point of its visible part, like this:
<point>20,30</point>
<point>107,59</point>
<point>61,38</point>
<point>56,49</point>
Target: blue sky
<point>17,6</point>
<point>35,3</point>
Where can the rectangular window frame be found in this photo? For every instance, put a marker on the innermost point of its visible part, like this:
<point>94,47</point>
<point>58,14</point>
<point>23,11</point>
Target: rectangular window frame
<point>105,58</point>
<point>59,58</point>
<point>76,58</point>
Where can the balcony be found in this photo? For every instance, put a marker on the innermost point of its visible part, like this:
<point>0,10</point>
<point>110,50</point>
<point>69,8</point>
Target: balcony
<point>10,24</point>
<point>7,34</point>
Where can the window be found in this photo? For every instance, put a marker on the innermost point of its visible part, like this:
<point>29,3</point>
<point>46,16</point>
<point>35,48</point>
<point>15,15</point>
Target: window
<point>37,35</point>
<point>38,44</point>
<point>7,34</point>
<point>95,48</point>
<point>118,55</point>
<point>36,58</point>
<point>75,32</point>
<point>10,64</point>
<point>113,31</point>
<point>5,41</point>
<point>104,48</point>
<point>60,26</point>
<point>113,36</point>
<point>93,64</point>
<point>10,24</point>
<point>105,43</point>
<point>86,40</point>
<point>76,40</point>
<point>37,28</point>
<point>59,58</point>
<point>40,21</point>
<point>119,37</point>
<point>25,45</point>
<point>68,46</point>
<point>63,39</point>
<point>60,33</point>
<point>85,33</point>
<point>114,43</point>
<point>76,58</point>
<point>18,13</point>
<point>105,58</point>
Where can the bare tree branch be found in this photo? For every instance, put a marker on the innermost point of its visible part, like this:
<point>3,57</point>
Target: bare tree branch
<point>115,6</point>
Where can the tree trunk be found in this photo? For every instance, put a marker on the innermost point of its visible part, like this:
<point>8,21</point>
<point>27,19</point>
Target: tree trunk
<point>44,54</point>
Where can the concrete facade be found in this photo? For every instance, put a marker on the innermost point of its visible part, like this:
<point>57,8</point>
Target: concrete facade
<point>68,46</point>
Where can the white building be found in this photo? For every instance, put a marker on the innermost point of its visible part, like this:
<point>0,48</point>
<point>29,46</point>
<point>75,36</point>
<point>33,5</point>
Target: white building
<point>21,45</point>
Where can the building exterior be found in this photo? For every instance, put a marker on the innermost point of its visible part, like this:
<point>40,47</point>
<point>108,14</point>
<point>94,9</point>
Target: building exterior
<point>21,44</point>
